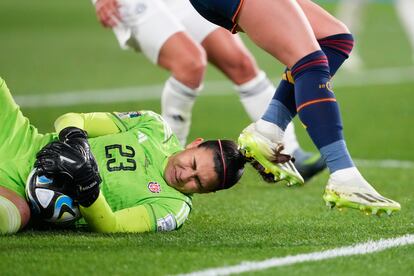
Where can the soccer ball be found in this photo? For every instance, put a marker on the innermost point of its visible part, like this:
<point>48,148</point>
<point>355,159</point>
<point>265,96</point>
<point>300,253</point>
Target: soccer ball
<point>49,202</point>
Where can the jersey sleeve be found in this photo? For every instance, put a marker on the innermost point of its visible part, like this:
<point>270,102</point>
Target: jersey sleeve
<point>148,122</point>
<point>159,216</point>
<point>169,214</point>
<point>162,215</point>
<point>95,124</point>
<point>100,218</point>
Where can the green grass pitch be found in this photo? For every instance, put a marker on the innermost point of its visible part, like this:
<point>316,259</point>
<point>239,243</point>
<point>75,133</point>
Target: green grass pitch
<point>53,46</point>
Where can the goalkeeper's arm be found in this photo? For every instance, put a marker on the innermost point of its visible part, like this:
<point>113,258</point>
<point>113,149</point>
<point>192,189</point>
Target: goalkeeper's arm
<point>74,130</point>
<point>97,213</point>
<point>95,124</point>
<point>100,218</point>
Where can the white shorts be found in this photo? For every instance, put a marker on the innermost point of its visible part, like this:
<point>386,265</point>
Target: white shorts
<point>147,24</point>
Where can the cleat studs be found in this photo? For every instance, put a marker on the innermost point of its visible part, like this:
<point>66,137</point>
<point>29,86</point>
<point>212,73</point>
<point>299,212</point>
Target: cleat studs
<point>330,204</point>
<point>374,211</point>
<point>389,212</point>
<point>276,178</point>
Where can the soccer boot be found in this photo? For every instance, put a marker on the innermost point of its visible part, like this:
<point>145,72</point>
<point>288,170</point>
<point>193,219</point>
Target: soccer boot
<point>355,192</point>
<point>308,164</point>
<point>267,157</point>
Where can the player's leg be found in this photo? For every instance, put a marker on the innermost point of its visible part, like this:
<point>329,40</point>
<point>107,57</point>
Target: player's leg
<point>176,51</point>
<point>186,61</point>
<point>351,13</point>
<point>14,211</point>
<point>286,22</point>
<point>336,42</point>
<point>150,27</point>
<point>292,41</point>
<point>228,53</point>
<point>405,10</point>
<point>319,112</point>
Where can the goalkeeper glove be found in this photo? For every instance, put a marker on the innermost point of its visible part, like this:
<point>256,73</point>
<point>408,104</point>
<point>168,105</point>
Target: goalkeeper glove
<point>74,160</point>
<point>86,188</point>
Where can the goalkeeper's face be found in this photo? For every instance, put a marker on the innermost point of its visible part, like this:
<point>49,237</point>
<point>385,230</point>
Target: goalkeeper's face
<point>192,170</point>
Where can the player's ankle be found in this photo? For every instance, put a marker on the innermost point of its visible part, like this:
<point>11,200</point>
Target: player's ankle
<point>269,130</point>
<point>346,175</point>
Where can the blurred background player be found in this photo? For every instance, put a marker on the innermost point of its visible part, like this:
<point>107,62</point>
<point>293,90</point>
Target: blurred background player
<point>171,34</point>
<point>313,45</point>
<point>145,178</point>
<point>351,12</point>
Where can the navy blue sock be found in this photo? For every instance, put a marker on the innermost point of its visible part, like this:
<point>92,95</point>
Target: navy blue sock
<point>336,156</point>
<point>317,108</point>
<point>282,108</point>
<point>337,49</point>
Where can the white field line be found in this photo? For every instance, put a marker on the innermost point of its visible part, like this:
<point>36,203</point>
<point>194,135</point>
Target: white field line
<point>212,88</point>
<point>386,164</point>
<point>357,249</point>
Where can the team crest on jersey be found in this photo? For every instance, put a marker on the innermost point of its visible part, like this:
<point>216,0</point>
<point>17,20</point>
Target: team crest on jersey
<point>131,114</point>
<point>154,187</point>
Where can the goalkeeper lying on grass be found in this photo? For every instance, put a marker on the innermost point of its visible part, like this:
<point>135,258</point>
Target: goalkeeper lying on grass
<point>127,171</point>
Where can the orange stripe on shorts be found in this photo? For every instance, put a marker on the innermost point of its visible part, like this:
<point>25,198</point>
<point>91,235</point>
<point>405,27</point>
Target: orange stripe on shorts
<point>233,30</point>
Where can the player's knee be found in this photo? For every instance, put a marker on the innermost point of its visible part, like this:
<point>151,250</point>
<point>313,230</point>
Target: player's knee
<point>190,70</point>
<point>14,215</point>
<point>240,68</point>
<point>339,27</point>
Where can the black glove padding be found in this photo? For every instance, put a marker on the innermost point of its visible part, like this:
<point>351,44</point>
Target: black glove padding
<point>69,133</point>
<point>88,180</point>
<point>75,161</point>
<point>77,139</point>
<point>58,158</point>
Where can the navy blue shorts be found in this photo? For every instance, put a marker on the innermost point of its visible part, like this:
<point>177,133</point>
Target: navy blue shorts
<point>219,12</point>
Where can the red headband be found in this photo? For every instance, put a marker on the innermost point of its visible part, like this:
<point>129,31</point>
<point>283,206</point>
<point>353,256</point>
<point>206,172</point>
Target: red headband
<point>224,164</point>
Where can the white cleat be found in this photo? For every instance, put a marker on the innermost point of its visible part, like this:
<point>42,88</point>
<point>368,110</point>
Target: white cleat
<point>355,192</point>
<point>268,158</point>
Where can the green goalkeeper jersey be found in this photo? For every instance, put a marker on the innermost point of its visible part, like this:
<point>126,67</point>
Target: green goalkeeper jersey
<point>131,164</point>
<point>131,150</point>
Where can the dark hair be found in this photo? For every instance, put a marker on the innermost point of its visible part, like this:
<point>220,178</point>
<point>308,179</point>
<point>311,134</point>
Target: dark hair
<point>228,162</point>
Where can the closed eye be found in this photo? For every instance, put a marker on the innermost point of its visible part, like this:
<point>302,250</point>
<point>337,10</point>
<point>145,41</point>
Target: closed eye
<point>196,178</point>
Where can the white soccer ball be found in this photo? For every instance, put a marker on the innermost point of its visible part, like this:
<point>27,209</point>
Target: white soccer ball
<point>49,202</point>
